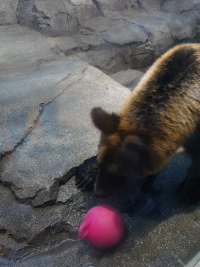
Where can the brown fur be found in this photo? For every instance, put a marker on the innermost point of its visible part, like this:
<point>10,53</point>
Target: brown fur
<point>161,114</point>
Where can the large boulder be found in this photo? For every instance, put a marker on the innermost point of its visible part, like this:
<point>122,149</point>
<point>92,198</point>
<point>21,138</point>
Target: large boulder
<point>125,33</point>
<point>132,39</point>
<point>46,131</point>
<point>97,25</point>
<point>188,9</point>
<point>163,29</point>
<point>107,60</point>
<point>43,126</point>
<point>56,18</point>
<point>121,44</point>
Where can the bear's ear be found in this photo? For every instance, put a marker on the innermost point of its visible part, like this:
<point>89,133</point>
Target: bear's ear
<point>136,155</point>
<point>104,121</point>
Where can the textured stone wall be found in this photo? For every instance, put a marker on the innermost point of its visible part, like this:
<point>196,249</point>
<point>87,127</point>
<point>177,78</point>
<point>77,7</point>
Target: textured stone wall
<point>64,17</point>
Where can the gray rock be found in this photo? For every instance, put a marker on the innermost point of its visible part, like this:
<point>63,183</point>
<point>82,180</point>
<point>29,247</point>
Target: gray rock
<point>62,18</point>
<point>67,191</point>
<point>9,247</point>
<point>124,43</point>
<point>157,29</point>
<point>22,98</point>
<point>47,17</point>
<point>125,34</point>
<point>163,29</point>
<point>132,4</point>
<point>182,27</point>
<point>138,56</point>
<point>65,92</point>
<point>150,6</point>
<point>64,45</point>
<point>98,24</point>
<point>85,9</point>
<point>113,58</point>
<point>38,227</point>
<point>89,42</point>
<point>180,6</point>
<point>189,10</point>
<point>114,5</point>
<point>21,221</point>
<point>120,26</point>
<point>121,15</point>
<point>65,254</point>
<point>22,50</point>
<point>61,84</point>
<point>128,78</point>
<point>109,61</point>
<point>8,11</point>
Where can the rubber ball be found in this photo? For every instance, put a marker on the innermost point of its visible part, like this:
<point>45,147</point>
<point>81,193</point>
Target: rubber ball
<point>103,226</point>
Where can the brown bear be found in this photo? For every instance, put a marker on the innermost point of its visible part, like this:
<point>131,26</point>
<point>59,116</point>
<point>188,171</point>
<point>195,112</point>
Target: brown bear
<point>161,115</point>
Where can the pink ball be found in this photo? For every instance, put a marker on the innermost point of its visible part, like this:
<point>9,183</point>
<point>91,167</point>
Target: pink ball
<point>103,226</point>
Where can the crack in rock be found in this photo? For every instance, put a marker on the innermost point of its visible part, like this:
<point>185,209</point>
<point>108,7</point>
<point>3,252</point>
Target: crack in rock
<point>50,238</point>
<point>68,86</point>
<point>52,194</point>
<point>40,111</point>
<point>143,28</point>
<point>141,7</point>
<point>11,187</point>
<point>96,3</point>
<point>5,153</point>
<point>62,246</point>
<point>43,197</point>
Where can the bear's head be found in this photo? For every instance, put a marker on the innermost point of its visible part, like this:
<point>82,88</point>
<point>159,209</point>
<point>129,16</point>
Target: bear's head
<point>122,154</point>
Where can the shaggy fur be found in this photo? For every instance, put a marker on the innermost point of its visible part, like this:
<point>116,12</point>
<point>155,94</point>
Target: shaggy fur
<point>161,114</point>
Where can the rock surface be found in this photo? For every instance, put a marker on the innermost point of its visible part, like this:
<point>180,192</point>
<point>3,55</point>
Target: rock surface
<point>22,49</point>
<point>106,35</point>
<point>8,12</point>
<point>62,18</point>
<point>46,97</point>
<point>136,39</point>
<point>45,118</point>
<point>180,6</point>
<point>128,78</point>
